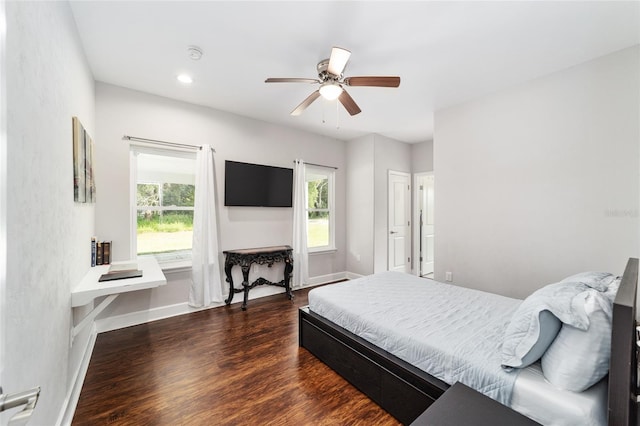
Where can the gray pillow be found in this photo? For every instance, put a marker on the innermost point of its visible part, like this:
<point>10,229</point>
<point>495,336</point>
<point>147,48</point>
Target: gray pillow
<point>598,280</point>
<point>612,291</point>
<point>537,321</point>
<point>577,359</point>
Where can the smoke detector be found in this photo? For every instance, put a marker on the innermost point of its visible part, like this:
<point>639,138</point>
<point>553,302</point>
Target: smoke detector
<point>194,52</point>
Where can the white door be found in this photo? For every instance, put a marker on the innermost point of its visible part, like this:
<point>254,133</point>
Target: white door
<point>17,404</point>
<point>426,225</point>
<point>399,246</point>
<point>3,187</point>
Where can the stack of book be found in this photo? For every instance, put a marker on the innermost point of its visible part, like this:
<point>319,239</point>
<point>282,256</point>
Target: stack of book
<point>100,252</point>
<point>121,271</point>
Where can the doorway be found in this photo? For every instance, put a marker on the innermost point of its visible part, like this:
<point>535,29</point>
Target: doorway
<point>399,222</point>
<point>424,231</point>
<point>3,187</point>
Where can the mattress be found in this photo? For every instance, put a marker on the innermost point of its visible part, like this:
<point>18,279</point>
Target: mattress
<point>536,398</point>
<point>454,334</point>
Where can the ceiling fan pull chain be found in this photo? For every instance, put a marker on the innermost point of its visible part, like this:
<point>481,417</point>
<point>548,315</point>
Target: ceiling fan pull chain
<point>324,110</point>
<point>337,116</point>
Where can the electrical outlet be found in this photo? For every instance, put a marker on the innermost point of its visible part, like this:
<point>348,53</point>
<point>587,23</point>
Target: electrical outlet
<point>448,276</point>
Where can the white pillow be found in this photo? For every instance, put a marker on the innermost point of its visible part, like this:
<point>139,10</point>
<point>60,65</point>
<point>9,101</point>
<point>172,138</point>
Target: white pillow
<point>598,280</point>
<point>612,290</point>
<point>577,359</point>
<point>537,321</point>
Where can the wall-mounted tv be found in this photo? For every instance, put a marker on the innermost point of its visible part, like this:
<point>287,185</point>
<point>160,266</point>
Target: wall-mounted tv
<point>257,185</point>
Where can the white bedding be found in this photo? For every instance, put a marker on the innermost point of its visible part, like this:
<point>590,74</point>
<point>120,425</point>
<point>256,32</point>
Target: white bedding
<point>451,332</point>
<point>454,334</point>
<point>536,398</point>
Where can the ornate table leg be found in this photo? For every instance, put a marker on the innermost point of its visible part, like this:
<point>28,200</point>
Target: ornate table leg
<point>245,284</point>
<point>288,267</point>
<point>227,271</point>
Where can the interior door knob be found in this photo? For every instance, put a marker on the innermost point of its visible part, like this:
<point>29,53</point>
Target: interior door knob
<point>27,398</point>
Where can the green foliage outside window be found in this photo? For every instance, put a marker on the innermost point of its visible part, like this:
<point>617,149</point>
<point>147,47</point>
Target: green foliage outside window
<point>164,195</point>
<point>176,194</point>
<point>318,229</point>
<point>318,194</point>
<point>318,212</point>
<point>148,195</point>
<point>167,194</point>
<point>171,221</point>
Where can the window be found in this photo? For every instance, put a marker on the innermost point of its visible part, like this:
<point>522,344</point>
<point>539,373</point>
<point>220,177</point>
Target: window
<point>320,208</point>
<point>163,193</point>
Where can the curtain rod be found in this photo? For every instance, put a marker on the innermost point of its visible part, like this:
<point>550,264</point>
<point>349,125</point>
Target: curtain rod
<point>318,165</point>
<point>180,145</point>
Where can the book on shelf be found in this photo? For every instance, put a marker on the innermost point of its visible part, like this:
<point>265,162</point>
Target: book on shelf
<point>106,252</point>
<point>99,253</point>
<point>93,251</point>
<point>119,267</point>
<point>120,275</point>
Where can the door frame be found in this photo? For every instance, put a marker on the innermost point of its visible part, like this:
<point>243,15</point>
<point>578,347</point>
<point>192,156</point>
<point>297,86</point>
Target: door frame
<point>408,234</point>
<point>415,234</point>
<point>3,185</point>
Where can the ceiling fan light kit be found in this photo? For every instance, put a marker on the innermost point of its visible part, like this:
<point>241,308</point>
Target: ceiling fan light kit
<point>332,82</point>
<point>330,90</point>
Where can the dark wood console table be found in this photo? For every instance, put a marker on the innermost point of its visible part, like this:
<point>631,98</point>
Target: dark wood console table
<point>261,256</point>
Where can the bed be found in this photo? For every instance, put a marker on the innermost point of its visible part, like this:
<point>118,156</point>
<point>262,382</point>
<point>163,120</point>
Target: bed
<point>400,384</point>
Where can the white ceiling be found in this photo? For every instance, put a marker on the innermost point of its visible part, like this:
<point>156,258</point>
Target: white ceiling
<point>445,53</point>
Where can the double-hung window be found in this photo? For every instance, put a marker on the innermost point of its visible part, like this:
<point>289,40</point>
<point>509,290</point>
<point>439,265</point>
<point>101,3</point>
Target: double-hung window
<point>163,192</point>
<point>320,208</point>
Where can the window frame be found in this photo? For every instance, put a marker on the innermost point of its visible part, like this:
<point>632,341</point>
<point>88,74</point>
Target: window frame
<point>330,173</point>
<point>134,150</point>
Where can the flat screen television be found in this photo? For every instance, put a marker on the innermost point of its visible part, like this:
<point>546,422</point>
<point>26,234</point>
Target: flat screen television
<point>256,185</point>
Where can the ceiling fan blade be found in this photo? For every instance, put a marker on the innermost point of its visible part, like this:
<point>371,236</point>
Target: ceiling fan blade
<point>312,97</point>
<point>348,103</point>
<point>373,81</point>
<point>292,80</point>
<point>338,60</point>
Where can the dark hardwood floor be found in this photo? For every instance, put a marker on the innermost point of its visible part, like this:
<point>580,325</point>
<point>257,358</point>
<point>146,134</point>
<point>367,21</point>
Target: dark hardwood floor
<point>221,366</point>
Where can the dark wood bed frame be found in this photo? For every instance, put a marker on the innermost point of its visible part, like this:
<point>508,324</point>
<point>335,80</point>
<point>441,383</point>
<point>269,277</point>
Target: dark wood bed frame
<point>405,391</point>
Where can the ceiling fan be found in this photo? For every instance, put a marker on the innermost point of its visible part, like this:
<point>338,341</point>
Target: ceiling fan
<point>332,81</point>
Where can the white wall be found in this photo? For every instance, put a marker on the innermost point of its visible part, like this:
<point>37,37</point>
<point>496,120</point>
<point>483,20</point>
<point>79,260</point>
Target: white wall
<point>541,181</point>
<point>421,161</point>
<point>48,82</point>
<point>360,209</point>
<point>369,160</point>
<point>390,154</point>
<point>121,111</point>
<point>422,157</point>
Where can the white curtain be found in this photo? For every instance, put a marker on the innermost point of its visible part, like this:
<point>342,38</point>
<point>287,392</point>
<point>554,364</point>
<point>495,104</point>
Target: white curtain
<point>206,286</point>
<point>300,252</point>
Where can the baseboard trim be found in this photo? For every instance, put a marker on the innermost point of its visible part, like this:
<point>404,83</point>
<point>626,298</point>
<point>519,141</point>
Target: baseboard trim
<point>353,276</point>
<point>323,279</point>
<point>154,314</point>
<point>141,317</point>
<point>73,395</point>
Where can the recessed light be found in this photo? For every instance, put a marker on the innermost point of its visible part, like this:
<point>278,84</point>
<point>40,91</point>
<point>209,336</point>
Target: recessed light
<point>185,78</point>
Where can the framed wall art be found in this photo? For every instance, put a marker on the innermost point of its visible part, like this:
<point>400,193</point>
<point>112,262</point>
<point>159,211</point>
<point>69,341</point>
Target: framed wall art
<point>84,187</point>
